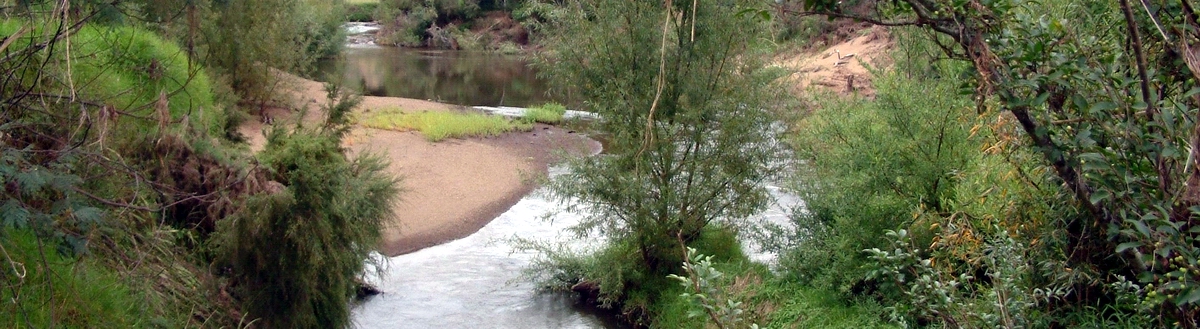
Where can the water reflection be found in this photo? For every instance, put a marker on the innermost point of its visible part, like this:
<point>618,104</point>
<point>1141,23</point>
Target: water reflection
<point>463,78</point>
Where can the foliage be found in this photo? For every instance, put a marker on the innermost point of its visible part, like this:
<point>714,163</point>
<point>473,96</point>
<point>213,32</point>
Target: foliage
<point>540,15</point>
<point>612,277</point>
<point>439,125</point>
<point>691,135</point>
<point>361,12</point>
<point>1103,94</point>
<point>125,69</point>
<point>691,138</point>
<point>797,305</point>
<point>550,113</point>
<point>964,301</point>
<point>705,290</point>
<point>248,41</point>
<point>407,25</point>
<point>44,288</point>
<point>294,252</point>
<point>871,164</point>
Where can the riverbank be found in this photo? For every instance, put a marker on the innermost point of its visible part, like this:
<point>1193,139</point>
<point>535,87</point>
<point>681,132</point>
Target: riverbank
<point>451,188</point>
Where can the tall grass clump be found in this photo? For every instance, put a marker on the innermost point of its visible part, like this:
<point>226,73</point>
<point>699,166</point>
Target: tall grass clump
<point>549,113</point>
<point>130,70</point>
<point>440,125</point>
<point>44,288</point>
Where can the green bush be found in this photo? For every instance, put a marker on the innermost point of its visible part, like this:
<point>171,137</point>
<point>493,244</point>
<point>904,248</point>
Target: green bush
<point>870,165</point>
<point>295,251</point>
<point>641,296</point>
<point>802,306</point>
<point>361,12</point>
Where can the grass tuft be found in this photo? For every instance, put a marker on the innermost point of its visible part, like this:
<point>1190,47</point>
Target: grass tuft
<point>439,125</point>
<point>549,113</point>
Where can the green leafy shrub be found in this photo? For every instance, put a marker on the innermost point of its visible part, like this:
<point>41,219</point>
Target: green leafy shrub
<point>295,251</point>
<point>797,305</point>
<point>361,12</point>
<point>870,165</point>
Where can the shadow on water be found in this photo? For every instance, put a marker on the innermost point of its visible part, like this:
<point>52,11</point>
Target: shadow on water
<point>455,77</point>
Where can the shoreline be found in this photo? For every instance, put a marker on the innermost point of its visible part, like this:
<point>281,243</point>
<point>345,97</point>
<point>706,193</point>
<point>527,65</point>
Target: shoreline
<point>450,189</point>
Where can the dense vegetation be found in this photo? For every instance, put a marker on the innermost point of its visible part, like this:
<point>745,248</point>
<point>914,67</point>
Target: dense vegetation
<point>1062,191</point>
<point>126,199</point>
<point>492,25</point>
<point>1021,164</point>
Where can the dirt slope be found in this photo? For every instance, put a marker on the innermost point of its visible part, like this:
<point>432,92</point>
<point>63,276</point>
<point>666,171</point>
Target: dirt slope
<point>839,68</point>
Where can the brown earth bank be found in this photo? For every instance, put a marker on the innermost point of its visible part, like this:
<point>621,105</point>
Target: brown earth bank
<point>451,188</point>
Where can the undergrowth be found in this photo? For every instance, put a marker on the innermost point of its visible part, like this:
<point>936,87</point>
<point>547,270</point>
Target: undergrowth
<point>43,288</point>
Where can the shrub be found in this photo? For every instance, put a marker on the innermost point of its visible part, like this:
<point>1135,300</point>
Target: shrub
<point>870,165</point>
<point>361,12</point>
<point>295,251</point>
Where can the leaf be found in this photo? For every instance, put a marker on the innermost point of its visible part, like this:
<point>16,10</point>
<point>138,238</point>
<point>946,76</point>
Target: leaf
<point>88,215</point>
<point>14,214</point>
<point>1191,297</point>
<point>1141,227</point>
<point>1126,246</point>
<point>1040,99</point>
<point>1192,92</point>
<point>1097,108</point>
<point>1099,196</point>
<point>30,181</point>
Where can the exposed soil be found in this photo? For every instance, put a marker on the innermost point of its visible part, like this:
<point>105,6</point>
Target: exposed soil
<point>451,188</point>
<point>839,67</point>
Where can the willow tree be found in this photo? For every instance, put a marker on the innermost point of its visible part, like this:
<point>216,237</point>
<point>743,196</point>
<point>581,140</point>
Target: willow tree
<point>681,91</point>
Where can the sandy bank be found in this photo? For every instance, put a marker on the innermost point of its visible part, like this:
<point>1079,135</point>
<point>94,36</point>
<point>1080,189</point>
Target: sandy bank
<point>451,188</point>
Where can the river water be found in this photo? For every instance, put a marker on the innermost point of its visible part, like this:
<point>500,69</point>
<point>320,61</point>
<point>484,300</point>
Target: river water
<point>476,282</point>
<point>454,77</point>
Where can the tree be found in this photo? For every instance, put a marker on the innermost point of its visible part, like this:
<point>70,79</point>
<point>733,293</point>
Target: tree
<point>687,107</point>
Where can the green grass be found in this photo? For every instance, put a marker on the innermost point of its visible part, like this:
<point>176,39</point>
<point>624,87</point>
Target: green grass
<point>801,306</point>
<point>550,113</point>
<point>355,2</point>
<point>440,125</point>
<point>128,68</point>
<point>43,288</point>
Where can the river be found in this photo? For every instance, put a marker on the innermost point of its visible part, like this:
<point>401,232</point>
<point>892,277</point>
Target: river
<point>454,77</point>
<point>476,282</point>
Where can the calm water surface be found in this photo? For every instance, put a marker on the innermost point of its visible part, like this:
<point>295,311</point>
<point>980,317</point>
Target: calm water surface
<point>462,78</point>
